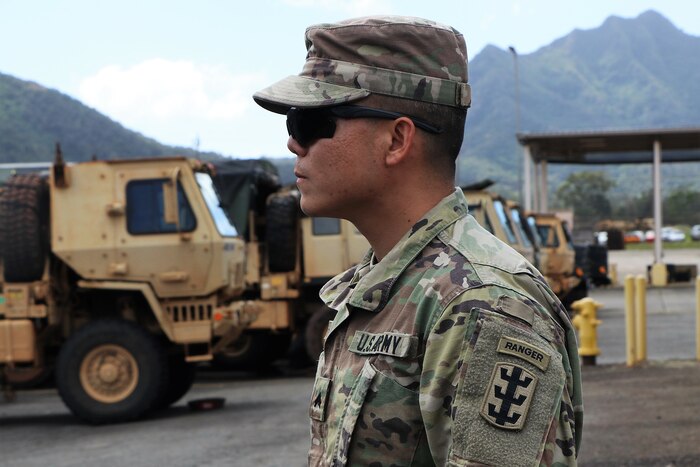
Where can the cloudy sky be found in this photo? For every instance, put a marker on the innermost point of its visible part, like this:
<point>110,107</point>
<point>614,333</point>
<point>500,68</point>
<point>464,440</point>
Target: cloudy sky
<point>183,71</point>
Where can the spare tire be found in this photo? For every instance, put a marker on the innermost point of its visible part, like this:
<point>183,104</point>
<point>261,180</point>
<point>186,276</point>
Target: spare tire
<point>24,217</point>
<point>282,232</point>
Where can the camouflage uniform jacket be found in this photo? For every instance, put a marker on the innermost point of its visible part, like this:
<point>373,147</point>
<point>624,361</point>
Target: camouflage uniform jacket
<point>449,351</point>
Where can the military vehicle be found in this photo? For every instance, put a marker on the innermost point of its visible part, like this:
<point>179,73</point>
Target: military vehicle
<point>117,275</point>
<point>494,214</point>
<point>558,258</point>
<point>288,258</point>
<point>541,238</point>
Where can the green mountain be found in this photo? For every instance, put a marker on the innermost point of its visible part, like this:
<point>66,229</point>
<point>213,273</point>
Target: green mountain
<point>625,74</point>
<point>628,73</point>
<point>33,118</point>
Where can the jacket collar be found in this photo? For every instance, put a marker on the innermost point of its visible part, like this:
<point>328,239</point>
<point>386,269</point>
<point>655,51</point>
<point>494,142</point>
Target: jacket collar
<point>368,286</point>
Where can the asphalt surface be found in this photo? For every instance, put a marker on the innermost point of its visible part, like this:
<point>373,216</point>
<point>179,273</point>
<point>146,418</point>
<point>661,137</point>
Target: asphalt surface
<point>646,416</point>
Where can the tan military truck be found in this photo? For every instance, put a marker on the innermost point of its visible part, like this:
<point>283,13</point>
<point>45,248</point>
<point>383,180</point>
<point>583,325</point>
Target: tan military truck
<point>494,214</point>
<point>558,258</point>
<point>541,238</point>
<point>117,274</point>
<point>289,257</point>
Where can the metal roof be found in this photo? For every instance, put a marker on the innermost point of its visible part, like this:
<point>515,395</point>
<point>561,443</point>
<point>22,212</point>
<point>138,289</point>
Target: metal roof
<point>613,146</point>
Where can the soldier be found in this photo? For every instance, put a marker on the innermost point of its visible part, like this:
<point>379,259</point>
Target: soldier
<point>447,347</point>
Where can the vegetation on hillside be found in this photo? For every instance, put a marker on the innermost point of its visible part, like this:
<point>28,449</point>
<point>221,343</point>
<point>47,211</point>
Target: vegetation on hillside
<point>628,73</point>
<point>33,119</point>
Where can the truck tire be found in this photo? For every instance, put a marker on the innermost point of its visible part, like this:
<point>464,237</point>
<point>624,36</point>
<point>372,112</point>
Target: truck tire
<point>282,232</point>
<point>254,350</point>
<point>575,294</point>
<point>24,210</point>
<point>316,329</point>
<point>111,371</point>
<point>180,379</point>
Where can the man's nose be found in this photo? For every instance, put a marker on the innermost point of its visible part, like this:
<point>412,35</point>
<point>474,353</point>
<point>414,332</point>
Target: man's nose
<point>296,148</point>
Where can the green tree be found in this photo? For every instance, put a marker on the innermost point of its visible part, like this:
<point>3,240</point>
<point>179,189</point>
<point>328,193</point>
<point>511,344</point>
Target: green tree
<point>636,207</point>
<point>681,206</point>
<point>586,193</point>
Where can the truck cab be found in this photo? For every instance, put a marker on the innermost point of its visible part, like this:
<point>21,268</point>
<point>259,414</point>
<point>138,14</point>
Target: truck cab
<point>125,270</point>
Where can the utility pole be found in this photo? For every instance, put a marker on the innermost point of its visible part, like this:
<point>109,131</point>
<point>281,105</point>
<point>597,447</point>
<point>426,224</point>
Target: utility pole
<point>518,156</point>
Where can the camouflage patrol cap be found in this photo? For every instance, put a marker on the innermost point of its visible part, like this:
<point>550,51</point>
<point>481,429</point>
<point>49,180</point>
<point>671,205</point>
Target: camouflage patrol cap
<point>404,57</point>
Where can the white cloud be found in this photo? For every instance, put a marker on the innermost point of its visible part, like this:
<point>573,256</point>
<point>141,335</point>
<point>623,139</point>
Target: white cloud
<point>164,89</point>
<point>180,102</point>
<point>355,7</point>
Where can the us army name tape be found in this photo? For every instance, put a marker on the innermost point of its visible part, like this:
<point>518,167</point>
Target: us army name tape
<point>387,343</point>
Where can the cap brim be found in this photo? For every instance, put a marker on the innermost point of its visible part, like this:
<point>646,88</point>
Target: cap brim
<point>301,92</point>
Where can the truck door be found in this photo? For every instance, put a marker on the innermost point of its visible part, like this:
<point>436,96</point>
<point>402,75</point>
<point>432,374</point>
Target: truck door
<point>330,246</point>
<point>171,250</point>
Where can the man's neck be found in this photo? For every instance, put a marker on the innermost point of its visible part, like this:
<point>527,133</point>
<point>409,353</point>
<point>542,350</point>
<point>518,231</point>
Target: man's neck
<point>388,221</point>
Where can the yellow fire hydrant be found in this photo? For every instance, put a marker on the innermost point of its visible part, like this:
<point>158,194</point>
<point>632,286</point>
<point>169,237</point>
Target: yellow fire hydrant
<point>586,323</point>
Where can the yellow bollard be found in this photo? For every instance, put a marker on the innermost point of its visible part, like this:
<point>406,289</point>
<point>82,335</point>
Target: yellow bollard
<point>697,318</point>
<point>630,329</point>
<point>640,321</point>
<point>586,323</point>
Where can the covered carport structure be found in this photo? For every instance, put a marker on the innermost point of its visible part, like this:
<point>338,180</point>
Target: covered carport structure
<point>655,146</point>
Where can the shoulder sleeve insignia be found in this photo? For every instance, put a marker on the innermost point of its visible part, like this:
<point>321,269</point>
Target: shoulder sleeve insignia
<point>508,396</point>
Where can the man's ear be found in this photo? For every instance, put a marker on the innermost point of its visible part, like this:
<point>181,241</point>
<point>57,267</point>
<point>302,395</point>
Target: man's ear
<point>403,133</point>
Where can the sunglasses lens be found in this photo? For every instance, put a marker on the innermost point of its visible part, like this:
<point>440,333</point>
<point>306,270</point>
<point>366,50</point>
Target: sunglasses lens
<point>306,126</point>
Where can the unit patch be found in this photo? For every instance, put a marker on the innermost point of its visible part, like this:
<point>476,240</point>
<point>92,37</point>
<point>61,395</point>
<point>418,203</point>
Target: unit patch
<point>508,396</point>
<point>387,343</point>
<point>524,350</point>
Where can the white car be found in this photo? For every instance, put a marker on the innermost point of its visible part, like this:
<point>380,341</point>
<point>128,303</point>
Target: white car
<point>695,232</point>
<point>672,234</point>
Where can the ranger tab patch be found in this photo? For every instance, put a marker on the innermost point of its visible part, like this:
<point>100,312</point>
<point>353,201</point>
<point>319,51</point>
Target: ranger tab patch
<point>508,396</point>
<point>524,350</point>
<point>387,343</point>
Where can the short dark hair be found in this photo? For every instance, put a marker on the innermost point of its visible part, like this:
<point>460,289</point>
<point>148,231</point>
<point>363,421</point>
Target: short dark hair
<point>451,120</point>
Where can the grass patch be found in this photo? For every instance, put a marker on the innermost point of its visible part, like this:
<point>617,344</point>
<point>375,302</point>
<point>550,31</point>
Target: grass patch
<point>666,245</point>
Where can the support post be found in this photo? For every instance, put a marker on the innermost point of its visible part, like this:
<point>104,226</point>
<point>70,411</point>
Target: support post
<point>697,318</point>
<point>536,190</point>
<point>658,215</point>
<point>527,186</point>
<point>544,204</point>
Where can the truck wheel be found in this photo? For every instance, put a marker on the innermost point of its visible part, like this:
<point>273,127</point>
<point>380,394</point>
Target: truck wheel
<point>24,210</point>
<point>253,350</point>
<point>181,377</point>
<point>577,293</point>
<point>316,329</point>
<point>111,371</point>
<point>281,232</point>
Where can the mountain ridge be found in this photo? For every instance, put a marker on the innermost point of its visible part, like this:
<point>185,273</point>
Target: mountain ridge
<point>627,73</point>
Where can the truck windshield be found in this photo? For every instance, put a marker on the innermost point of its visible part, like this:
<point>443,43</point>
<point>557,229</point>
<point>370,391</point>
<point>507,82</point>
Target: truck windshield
<point>521,228</point>
<point>505,221</point>
<point>532,224</point>
<point>206,186</point>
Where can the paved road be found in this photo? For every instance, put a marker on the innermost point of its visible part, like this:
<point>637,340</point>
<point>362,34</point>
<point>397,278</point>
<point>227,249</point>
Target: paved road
<point>670,323</point>
<point>636,261</point>
<point>264,423</point>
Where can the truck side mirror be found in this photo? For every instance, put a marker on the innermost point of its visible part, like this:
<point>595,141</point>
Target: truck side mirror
<point>171,209</point>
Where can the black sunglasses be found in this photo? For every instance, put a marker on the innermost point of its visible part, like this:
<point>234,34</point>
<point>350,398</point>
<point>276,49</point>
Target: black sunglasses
<point>308,125</point>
